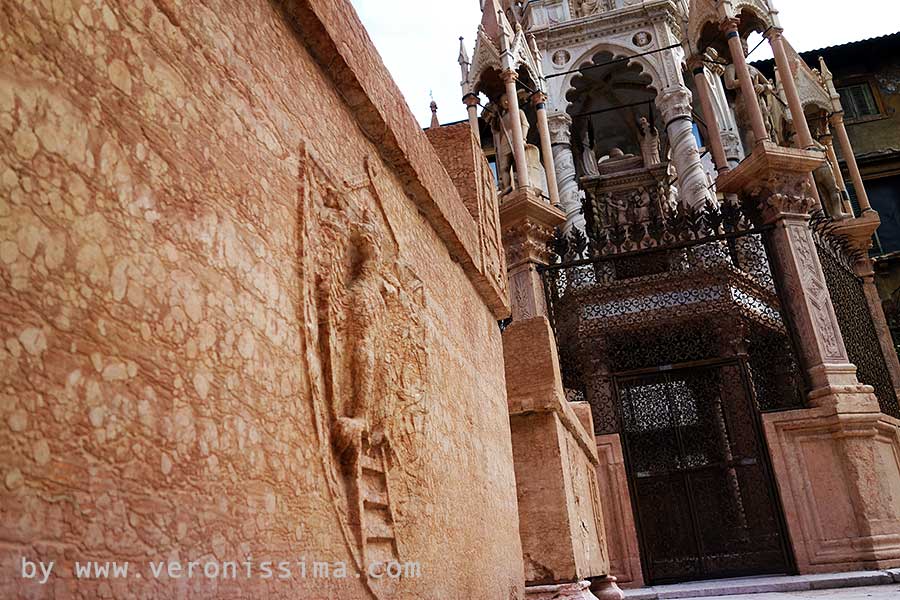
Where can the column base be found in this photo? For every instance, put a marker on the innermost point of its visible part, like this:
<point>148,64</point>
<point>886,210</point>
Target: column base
<point>605,588</point>
<point>559,591</point>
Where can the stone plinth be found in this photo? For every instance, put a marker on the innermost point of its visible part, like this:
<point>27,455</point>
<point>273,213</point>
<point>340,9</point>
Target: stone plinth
<point>776,181</point>
<point>839,477</point>
<point>527,222</point>
<point>555,457</point>
<point>618,516</point>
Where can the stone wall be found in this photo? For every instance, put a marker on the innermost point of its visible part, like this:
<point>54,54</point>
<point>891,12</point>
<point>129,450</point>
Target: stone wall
<point>236,283</point>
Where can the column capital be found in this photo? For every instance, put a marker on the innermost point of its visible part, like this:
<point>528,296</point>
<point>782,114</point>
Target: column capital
<point>509,76</point>
<point>538,98</point>
<point>675,104</point>
<point>528,224</point>
<point>729,25</point>
<point>776,179</point>
<point>859,231</point>
<point>774,33</point>
<point>696,63</point>
<point>560,128</point>
<point>836,118</point>
<point>471,100</point>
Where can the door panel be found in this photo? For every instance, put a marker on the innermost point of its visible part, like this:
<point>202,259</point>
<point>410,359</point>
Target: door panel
<point>704,498</point>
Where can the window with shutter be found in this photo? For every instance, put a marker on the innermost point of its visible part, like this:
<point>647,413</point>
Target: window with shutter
<point>858,101</point>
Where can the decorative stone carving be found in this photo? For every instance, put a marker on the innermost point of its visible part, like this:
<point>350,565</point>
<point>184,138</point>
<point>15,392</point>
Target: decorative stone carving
<point>585,8</point>
<point>784,192</point>
<point>561,58</point>
<point>364,339</point>
<point>528,224</point>
<point>642,39</point>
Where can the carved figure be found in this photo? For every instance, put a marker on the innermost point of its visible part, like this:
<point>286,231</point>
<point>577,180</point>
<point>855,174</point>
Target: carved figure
<point>364,351</point>
<point>588,157</point>
<point>649,142</point>
<point>829,189</point>
<point>505,151</point>
<point>584,8</point>
<point>639,209</point>
<point>765,93</point>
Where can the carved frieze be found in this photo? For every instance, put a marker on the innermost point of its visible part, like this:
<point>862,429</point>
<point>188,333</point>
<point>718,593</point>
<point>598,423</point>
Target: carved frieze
<point>784,192</point>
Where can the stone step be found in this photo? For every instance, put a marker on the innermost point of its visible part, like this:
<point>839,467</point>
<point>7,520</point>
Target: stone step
<point>765,584</point>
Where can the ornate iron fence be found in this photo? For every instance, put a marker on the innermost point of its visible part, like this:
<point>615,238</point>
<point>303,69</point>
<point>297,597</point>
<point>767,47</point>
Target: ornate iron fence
<point>853,314</point>
<point>688,288</point>
<point>892,313</point>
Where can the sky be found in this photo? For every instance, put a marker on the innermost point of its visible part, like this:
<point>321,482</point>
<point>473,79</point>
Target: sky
<point>419,40</point>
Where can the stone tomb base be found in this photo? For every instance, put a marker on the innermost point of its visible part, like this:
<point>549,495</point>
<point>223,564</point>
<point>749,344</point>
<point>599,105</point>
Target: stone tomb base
<point>839,477</point>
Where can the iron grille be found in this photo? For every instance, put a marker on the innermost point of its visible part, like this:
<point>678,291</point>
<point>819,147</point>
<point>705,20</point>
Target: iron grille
<point>665,303</point>
<point>892,313</point>
<point>704,496</point>
<point>855,320</point>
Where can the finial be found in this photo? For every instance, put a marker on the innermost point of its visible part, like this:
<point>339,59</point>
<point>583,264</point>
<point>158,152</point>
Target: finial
<point>463,55</point>
<point>434,118</point>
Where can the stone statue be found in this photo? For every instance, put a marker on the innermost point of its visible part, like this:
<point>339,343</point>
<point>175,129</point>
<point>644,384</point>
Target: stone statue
<point>585,8</point>
<point>588,158</point>
<point>649,142</point>
<point>829,189</point>
<point>765,93</point>
<point>505,151</point>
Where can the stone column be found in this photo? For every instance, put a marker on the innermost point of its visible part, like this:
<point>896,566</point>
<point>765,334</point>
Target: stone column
<point>866,272</point>
<point>675,107</point>
<point>471,102</point>
<point>840,130</point>
<point>516,138</point>
<point>776,41</point>
<point>570,194</point>
<point>713,130</point>
<point>730,27</point>
<point>539,100</point>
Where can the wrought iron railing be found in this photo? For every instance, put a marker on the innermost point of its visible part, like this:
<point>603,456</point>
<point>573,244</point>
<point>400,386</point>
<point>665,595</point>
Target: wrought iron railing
<point>892,314</point>
<point>853,313</point>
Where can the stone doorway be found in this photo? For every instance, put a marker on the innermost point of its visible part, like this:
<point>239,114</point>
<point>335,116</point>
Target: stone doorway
<point>704,498</point>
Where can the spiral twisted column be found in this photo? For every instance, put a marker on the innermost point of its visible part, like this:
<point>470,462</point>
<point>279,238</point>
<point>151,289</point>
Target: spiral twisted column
<point>570,195</point>
<point>693,187</point>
